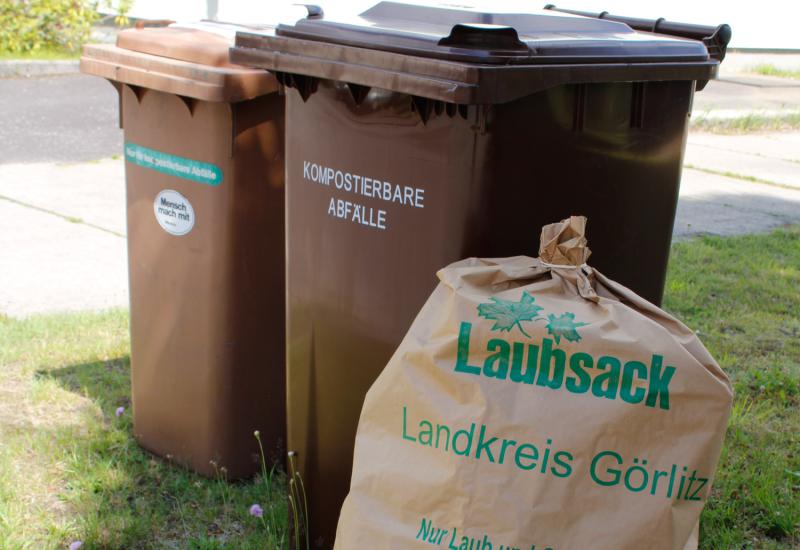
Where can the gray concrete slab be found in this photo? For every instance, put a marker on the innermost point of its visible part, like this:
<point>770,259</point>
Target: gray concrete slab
<point>773,145</point>
<point>66,118</point>
<point>90,192</point>
<point>746,97</point>
<point>738,91</point>
<point>741,62</point>
<point>741,163</point>
<point>15,68</point>
<point>761,81</point>
<point>717,205</point>
<point>74,118</point>
<point>48,264</point>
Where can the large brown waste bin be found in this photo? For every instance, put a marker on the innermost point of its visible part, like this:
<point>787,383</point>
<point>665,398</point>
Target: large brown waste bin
<point>417,136</point>
<point>204,172</point>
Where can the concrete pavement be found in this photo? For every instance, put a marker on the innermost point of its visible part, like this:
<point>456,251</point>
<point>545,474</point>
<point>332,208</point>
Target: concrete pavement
<point>62,224</point>
<point>62,212</point>
<point>717,205</point>
<point>62,237</point>
<point>91,193</point>
<point>783,146</point>
<point>27,68</point>
<point>738,91</point>
<point>66,118</point>
<point>50,264</point>
<point>740,96</point>
<point>773,158</point>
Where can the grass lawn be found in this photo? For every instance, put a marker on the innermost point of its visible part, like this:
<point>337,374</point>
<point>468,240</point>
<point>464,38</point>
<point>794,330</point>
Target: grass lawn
<point>743,296</point>
<point>769,69</point>
<point>751,122</point>
<point>69,469</point>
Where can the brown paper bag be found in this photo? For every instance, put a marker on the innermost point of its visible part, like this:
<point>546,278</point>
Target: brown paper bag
<point>536,404</point>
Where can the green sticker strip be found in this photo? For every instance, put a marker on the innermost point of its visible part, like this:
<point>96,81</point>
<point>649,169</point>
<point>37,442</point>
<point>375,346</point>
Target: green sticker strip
<point>201,172</point>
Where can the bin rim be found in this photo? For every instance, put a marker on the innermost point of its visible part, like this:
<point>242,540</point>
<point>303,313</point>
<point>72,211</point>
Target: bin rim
<point>466,56</point>
<point>442,80</point>
<point>187,62</point>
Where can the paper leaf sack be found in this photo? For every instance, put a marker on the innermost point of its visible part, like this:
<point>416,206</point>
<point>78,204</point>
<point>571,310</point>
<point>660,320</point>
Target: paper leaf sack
<point>535,404</point>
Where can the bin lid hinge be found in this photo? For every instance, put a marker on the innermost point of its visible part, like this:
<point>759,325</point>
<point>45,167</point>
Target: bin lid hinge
<point>138,91</point>
<point>358,92</point>
<point>422,106</point>
<point>190,103</point>
<point>426,107</point>
<point>304,84</point>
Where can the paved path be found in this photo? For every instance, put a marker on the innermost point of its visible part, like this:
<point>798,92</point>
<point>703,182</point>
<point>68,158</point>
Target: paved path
<point>740,95</point>
<point>62,243</point>
<point>90,193</point>
<point>773,158</point>
<point>62,221</point>
<point>716,205</point>
<point>62,224</point>
<point>737,92</point>
<point>65,118</point>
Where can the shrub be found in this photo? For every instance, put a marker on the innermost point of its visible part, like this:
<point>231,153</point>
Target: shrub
<point>34,25</point>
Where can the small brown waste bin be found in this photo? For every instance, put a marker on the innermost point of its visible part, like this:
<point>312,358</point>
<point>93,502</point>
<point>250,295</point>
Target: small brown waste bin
<point>204,172</point>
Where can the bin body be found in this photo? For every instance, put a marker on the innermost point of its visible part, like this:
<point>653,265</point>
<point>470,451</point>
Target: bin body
<point>490,155</point>
<point>354,290</point>
<point>205,219</point>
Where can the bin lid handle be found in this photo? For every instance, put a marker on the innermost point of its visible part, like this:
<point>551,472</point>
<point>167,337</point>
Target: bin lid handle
<point>484,36</point>
<point>314,11</point>
<point>716,38</point>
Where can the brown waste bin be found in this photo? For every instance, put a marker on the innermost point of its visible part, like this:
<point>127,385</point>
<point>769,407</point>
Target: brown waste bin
<point>417,136</point>
<point>205,193</point>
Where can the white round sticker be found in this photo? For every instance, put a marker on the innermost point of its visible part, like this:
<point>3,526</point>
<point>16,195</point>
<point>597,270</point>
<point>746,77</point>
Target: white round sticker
<point>174,212</point>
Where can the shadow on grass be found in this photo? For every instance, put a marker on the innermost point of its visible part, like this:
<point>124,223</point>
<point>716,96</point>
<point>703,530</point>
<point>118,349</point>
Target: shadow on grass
<point>125,497</point>
<point>107,383</point>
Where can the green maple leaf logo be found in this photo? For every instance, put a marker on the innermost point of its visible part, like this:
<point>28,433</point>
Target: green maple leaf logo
<point>564,326</point>
<point>507,314</point>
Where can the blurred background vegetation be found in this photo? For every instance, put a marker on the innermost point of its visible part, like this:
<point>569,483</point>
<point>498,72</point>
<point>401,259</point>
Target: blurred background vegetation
<point>51,27</point>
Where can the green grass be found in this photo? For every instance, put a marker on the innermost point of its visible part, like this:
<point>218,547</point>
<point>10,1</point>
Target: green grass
<point>70,470</point>
<point>743,296</point>
<point>752,122</point>
<point>769,69</point>
<point>40,55</point>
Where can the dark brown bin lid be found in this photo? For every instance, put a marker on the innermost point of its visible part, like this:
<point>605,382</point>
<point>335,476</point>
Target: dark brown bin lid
<point>497,38</point>
<point>466,56</point>
<point>187,61</point>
